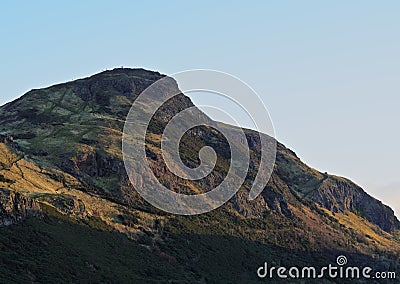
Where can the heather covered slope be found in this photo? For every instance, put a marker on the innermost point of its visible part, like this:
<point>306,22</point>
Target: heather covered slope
<point>61,148</point>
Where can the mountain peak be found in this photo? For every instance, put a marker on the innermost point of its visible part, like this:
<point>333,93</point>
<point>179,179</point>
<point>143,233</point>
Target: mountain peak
<point>110,93</point>
<point>137,72</point>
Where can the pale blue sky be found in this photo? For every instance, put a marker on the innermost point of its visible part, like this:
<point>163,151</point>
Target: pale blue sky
<point>328,71</point>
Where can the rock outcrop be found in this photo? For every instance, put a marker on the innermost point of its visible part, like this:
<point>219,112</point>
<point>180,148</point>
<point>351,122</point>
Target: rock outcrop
<point>338,195</point>
<point>15,207</point>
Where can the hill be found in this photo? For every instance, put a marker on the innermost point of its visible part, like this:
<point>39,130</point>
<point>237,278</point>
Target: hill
<point>65,194</point>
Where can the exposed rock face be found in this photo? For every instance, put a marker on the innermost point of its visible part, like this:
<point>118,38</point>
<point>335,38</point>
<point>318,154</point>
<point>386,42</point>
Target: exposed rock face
<point>339,195</point>
<point>333,193</point>
<point>14,207</point>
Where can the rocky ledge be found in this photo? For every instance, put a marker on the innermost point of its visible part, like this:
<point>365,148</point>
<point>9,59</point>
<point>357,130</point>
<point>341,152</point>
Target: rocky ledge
<point>15,207</point>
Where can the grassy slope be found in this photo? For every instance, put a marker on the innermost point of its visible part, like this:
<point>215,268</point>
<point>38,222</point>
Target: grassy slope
<point>60,251</point>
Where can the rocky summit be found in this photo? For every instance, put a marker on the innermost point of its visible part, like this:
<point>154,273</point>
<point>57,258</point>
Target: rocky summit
<point>68,212</point>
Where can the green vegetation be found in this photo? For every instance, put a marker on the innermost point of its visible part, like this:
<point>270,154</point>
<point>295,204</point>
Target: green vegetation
<point>55,251</point>
<point>59,251</point>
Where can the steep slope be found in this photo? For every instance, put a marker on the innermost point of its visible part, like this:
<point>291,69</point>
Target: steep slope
<point>61,147</point>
